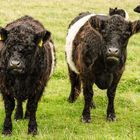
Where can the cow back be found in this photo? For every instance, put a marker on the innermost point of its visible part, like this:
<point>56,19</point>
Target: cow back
<point>26,20</point>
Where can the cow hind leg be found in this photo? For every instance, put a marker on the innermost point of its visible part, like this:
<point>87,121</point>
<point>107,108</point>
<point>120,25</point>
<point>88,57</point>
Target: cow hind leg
<point>75,86</point>
<point>19,111</point>
<point>27,113</point>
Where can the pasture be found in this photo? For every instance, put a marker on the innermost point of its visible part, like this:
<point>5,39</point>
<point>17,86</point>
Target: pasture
<point>57,119</point>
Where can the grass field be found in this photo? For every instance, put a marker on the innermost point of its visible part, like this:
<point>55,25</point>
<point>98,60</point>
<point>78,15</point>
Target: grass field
<point>57,119</point>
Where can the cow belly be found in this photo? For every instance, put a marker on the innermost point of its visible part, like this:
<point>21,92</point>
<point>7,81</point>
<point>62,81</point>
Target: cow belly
<point>104,80</point>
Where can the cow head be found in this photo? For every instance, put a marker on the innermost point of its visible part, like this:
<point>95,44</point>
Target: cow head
<point>20,47</point>
<point>115,32</point>
<point>117,11</point>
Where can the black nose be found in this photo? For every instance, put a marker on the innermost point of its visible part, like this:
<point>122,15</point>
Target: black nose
<point>113,51</point>
<point>15,63</point>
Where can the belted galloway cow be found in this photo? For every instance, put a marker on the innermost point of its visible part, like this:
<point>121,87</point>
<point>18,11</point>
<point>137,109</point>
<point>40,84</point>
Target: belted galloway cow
<point>96,52</point>
<point>27,60</point>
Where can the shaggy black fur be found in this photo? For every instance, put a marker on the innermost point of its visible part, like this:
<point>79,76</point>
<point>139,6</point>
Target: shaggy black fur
<point>25,67</point>
<point>99,53</point>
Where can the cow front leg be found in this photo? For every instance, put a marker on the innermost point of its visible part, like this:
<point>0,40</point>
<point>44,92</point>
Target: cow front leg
<point>111,91</point>
<point>19,111</point>
<point>110,109</point>
<point>32,126</point>
<point>75,86</point>
<point>88,94</point>
<point>9,104</point>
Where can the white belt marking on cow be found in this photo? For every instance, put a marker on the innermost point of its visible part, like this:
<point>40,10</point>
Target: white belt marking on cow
<point>53,58</point>
<point>73,30</point>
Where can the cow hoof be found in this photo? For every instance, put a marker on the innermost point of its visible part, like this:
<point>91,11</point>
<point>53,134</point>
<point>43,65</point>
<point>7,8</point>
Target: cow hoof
<point>73,96</point>
<point>32,128</point>
<point>111,118</point>
<point>86,119</point>
<point>7,132</point>
<point>32,132</point>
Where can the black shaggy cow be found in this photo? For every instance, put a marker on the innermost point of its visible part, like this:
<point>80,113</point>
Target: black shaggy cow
<point>26,62</point>
<point>96,54</point>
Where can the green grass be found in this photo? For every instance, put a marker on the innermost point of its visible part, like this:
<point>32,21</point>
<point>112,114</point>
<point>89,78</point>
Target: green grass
<point>57,119</point>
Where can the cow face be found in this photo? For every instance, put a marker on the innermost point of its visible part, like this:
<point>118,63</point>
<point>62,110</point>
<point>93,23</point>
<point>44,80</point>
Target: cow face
<point>20,47</point>
<point>115,32</point>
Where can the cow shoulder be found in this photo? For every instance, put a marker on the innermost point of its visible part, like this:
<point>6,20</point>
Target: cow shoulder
<point>88,41</point>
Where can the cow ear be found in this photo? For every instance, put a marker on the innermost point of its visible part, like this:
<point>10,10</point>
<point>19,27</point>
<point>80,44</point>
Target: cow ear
<point>97,23</point>
<point>111,11</point>
<point>135,27</point>
<point>3,34</point>
<point>42,37</point>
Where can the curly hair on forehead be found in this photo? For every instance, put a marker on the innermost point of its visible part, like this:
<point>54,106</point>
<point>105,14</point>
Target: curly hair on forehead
<point>117,22</point>
<point>21,34</point>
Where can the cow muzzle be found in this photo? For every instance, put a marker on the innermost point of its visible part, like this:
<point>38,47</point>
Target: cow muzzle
<point>112,55</point>
<point>15,66</point>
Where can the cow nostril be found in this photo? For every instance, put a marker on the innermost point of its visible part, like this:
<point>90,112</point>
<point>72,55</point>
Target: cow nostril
<point>116,51</point>
<point>18,64</point>
<point>109,50</point>
<point>113,51</point>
